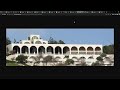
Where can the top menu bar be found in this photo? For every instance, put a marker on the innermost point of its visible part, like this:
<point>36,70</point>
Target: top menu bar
<point>61,13</point>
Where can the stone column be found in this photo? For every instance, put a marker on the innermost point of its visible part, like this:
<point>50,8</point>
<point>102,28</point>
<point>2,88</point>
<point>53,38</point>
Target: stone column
<point>28,50</point>
<point>78,50</point>
<point>70,50</point>
<point>37,50</point>
<point>62,50</point>
<point>20,50</point>
<point>54,51</point>
<point>45,50</point>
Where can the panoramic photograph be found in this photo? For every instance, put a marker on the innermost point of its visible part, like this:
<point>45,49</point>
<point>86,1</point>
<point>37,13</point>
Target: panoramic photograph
<point>60,47</point>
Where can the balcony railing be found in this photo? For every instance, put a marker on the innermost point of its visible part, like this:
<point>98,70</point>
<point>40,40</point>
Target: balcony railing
<point>82,52</point>
<point>98,52</point>
<point>74,52</point>
<point>67,53</point>
<point>90,52</point>
<point>49,53</point>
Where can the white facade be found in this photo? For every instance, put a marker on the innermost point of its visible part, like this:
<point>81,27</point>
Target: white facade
<point>34,45</point>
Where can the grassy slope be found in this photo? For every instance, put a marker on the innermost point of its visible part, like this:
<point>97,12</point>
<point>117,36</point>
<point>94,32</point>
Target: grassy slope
<point>13,63</point>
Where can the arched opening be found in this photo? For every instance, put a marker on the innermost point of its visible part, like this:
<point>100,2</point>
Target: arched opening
<point>38,42</point>
<point>33,49</point>
<point>24,49</point>
<point>90,50</point>
<point>50,50</point>
<point>74,50</point>
<point>82,58</point>
<point>98,50</point>
<point>82,50</point>
<point>41,50</point>
<point>16,49</point>
<point>58,50</point>
<point>90,57</point>
<point>66,50</point>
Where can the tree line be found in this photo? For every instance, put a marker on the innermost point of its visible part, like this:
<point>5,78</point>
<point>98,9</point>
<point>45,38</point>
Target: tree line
<point>108,49</point>
<point>51,41</point>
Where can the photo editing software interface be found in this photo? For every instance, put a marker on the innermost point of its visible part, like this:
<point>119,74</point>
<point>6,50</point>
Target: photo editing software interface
<point>51,44</point>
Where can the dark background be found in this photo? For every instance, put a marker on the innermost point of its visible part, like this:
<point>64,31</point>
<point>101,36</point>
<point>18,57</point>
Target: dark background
<point>59,22</point>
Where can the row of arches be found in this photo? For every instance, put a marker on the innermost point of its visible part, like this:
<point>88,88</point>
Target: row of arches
<point>57,50</point>
<point>75,58</point>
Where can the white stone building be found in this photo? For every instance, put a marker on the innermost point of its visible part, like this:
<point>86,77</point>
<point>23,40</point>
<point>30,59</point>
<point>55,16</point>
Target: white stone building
<point>34,45</point>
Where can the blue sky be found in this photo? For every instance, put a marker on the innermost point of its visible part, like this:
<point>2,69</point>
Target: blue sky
<point>103,36</point>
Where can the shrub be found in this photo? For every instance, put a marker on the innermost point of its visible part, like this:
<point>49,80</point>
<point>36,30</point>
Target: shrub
<point>21,58</point>
<point>69,61</point>
<point>103,55</point>
<point>99,58</point>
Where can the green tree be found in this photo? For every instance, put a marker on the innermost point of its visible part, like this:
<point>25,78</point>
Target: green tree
<point>21,59</point>
<point>47,59</point>
<point>52,41</point>
<point>108,49</point>
<point>69,61</point>
<point>28,38</point>
<point>8,41</point>
<point>66,56</point>
<point>61,42</point>
<point>96,64</point>
<point>14,40</point>
<point>99,58</point>
<point>103,55</point>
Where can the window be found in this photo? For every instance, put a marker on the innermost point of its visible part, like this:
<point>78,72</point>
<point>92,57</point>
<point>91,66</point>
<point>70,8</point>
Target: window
<point>34,37</point>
